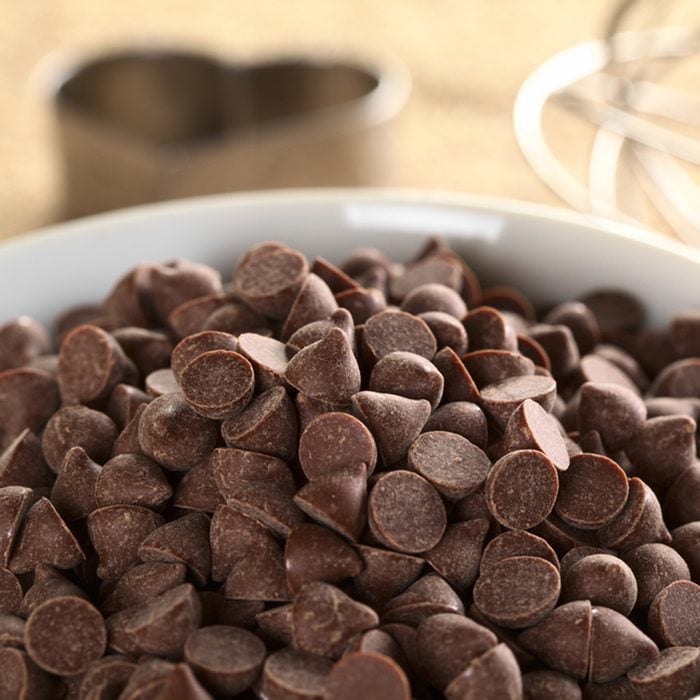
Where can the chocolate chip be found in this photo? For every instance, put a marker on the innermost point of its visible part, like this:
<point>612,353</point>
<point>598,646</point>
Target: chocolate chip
<point>592,492</point>
<point>259,575</point>
<point>162,381</point>
<point>276,624</point>
<point>598,370</point>
<point>148,679</point>
<point>65,635</point>
<point>461,417</point>
<point>448,331</point>
<point>490,366</point>
<point>218,384</point>
<point>604,580</point>
<point>517,543</point>
<point>148,349</point>
<point>543,685</point>
<point>185,540</point>
<point>127,441</point>
<point>11,631</point>
<point>448,643</point>
<point>10,593</point>
<point>197,489</point>
<point>615,412</point>
<point>334,277</point>
<point>44,538</point>
<point>192,346</point>
<point>518,591</point>
<point>22,340</point>
<point>23,463</point>
<point>314,302</point>
<point>116,533</point>
<point>324,619</point>
<point>521,488</point>
<point>674,615</point>
<point>22,678</point>
<point>142,583</point>
<point>28,399</point>
<point>655,566</point>
<point>73,493</point>
<point>487,329</point>
<point>107,677</point>
<point>190,316</point>
<point>235,318</point>
<point>626,362</point>
<point>362,303</point>
<point>389,331</point>
<point>456,556</point>
<point>510,300</point>
<point>561,348</point>
<point>616,646</point>
<point>682,502</point>
<point>494,674</point>
<point>271,505</point>
<point>685,333</point>
<point>367,675</point>
<point>123,403</point>
<point>531,427</point>
<point>268,357</point>
<point>333,441</point>
<point>223,611</point>
<point>234,470</point>
<point>429,595</point>
<point>385,574</point>
<point>434,296</point>
<point>268,425</point>
<point>581,322</point>
<point>500,400</point>
<point>160,627</point>
<point>407,374</point>
<point>172,434</point>
<point>452,464</point>
<point>73,426</point>
<point>614,309</point>
<point>427,271</point>
<point>533,350</point>
<point>291,674</point>
<point>673,675</point>
<point>405,512</point>
<point>314,553</point>
<point>395,421</point>
<point>459,385</point>
<point>226,659</point>
<point>640,520</point>
<point>686,541</point>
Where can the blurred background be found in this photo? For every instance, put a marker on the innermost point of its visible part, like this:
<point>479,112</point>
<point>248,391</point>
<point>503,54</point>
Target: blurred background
<point>467,59</point>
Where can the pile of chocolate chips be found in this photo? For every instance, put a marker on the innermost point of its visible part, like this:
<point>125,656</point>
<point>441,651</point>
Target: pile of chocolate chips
<point>374,481</point>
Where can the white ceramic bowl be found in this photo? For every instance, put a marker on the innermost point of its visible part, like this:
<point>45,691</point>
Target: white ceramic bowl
<point>549,254</point>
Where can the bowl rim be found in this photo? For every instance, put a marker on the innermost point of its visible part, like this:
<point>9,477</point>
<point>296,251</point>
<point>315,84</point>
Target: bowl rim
<point>357,195</point>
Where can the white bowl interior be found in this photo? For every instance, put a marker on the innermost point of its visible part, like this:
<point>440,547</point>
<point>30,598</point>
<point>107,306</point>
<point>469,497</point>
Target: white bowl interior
<point>550,255</point>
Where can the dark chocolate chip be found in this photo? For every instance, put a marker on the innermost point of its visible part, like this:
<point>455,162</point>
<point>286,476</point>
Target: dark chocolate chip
<point>275,624</point>
<point>655,566</point>
<point>198,489</point>
<point>234,470</point>
<point>448,331</point>
<point>23,463</point>
<point>268,357</point>
<point>686,541</point>
<point>389,331</point>
<point>546,685</point>
<point>162,381</point>
<point>517,543</point>
<point>674,615</point>
<point>362,303</point>
<point>22,678</point>
<point>10,593</point>
<point>314,302</point>
<point>682,502</point>
<point>487,329</point>
<point>192,346</point>
<point>459,385</point>
<point>124,402</point>
<point>22,340</point>
<point>106,678</point>
<point>407,374</point>
<point>673,675</point>
<point>291,674</point>
<point>73,493</point>
<point>270,504</point>
<point>593,491</point>
<point>561,348</point>
<point>367,675</point>
<point>581,322</point>
<point>500,400</point>
<point>259,575</point>
<point>190,316</point>
<point>148,349</point>
<point>494,675</point>
<point>429,595</point>
<point>614,309</point>
<point>334,277</point>
<point>521,488</point>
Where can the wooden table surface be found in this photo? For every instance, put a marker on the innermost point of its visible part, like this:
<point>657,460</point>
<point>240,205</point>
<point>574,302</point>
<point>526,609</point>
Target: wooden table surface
<point>467,59</point>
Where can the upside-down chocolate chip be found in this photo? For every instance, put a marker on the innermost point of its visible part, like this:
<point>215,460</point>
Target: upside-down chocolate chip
<point>368,675</point>
<point>592,491</point>
<point>226,659</point>
<point>172,434</point>
<point>673,675</point>
<point>269,283</point>
<point>452,464</point>
<point>518,591</point>
<point>517,543</point>
<point>333,441</point>
<point>405,512</point>
<point>500,400</point>
<point>65,635</point>
<point>291,674</point>
<point>521,488</point>
<point>314,553</point>
<point>674,615</point>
